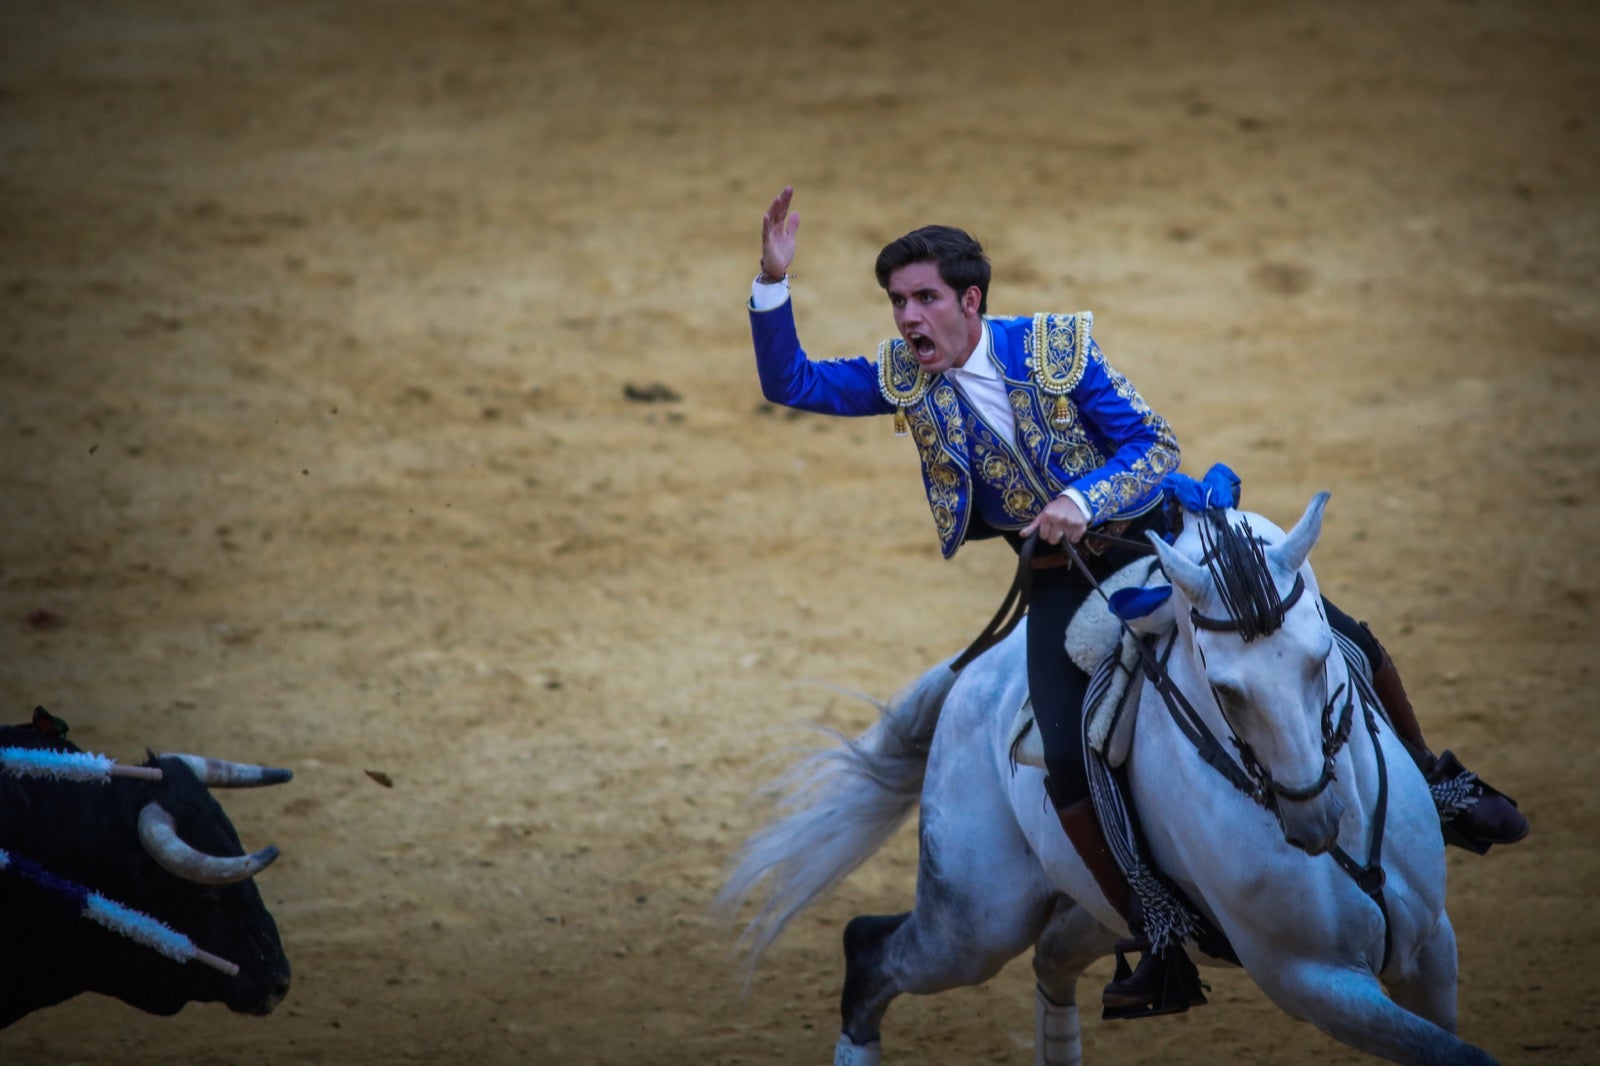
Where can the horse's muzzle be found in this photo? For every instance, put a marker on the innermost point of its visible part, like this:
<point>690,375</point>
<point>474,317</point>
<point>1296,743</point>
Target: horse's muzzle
<point>1311,825</point>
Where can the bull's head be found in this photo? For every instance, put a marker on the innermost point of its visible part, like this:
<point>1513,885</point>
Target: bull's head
<point>163,847</point>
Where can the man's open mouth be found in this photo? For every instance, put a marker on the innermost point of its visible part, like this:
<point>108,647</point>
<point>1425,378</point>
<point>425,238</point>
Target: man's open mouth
<point>923,346</point>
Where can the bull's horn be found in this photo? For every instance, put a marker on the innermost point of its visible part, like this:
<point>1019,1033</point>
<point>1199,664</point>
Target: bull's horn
<point>215,773</point>
<point>159,836</point>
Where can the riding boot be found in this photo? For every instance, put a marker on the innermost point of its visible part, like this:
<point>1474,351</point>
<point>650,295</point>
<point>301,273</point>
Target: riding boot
<point>1488,816</point>
<point>1165,981</point>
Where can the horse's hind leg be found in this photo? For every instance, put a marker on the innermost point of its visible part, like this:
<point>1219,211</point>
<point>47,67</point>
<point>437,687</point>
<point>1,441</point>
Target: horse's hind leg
<point>868,988</point>
<point>1072,939</point>
<point>968,923</point>
<point>887,955</point>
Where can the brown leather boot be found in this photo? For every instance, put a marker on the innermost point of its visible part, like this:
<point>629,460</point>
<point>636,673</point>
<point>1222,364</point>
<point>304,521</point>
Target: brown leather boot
<point>1397,705</point>
<point>1492,817</point>
<point>1164,982</point>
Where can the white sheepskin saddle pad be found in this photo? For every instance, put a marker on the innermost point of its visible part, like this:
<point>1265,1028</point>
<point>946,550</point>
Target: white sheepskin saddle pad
<point>1108,653</point>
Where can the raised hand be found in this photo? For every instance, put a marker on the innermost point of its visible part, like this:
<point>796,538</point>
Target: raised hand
<point>778,228</point>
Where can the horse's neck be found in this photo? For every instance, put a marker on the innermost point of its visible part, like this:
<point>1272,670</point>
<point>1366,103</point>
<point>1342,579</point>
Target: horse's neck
<point>1359,779</point>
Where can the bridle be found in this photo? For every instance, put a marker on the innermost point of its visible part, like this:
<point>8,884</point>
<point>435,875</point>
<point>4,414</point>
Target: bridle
<point>1266,790</point>
<point>1255,610</point>
<point>1229,625</point>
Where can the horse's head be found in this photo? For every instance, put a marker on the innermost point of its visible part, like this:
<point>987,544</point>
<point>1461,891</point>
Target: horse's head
<point>1248,606</point>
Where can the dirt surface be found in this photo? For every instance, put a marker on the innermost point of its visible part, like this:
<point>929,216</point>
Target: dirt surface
<point>320,324</point>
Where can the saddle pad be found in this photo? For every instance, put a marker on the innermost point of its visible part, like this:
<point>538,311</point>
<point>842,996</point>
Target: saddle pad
<point>1108,715</point>
<point>1094,631</point>
<point>1102,648</point>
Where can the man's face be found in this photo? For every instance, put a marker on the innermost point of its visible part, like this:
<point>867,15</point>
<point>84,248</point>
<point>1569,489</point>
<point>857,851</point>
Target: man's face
<point>941,327</point>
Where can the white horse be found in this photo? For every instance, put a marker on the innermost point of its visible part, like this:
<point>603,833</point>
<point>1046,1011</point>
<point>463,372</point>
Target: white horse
<point>1372,964</point>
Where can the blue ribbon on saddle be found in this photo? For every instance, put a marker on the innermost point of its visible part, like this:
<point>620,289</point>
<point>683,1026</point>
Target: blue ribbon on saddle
<point>1130,604</point>
<point>1219,488</point>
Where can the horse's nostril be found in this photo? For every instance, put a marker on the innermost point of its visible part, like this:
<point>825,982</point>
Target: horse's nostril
<point>1310,847</point>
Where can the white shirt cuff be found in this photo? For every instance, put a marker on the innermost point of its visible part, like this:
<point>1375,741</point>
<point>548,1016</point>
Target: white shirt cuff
<point>766,297</point>
<point>1081,500</point>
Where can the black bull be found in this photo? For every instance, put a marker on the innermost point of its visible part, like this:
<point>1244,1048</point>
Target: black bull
<point>87,833</point>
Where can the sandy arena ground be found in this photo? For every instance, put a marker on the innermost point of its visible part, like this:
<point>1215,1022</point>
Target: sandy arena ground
<point>320,323</point>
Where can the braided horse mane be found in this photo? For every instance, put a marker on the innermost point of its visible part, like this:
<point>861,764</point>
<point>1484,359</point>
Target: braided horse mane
<point>1234,556</point>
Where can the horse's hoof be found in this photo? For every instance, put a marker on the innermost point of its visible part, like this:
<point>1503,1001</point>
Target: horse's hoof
<point>848,1053</point>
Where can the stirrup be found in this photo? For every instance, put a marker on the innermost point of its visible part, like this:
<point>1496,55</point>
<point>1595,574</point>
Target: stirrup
<point>1173,990</point>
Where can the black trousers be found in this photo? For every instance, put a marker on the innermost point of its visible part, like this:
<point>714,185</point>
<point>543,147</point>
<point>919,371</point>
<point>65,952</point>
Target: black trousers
<point>1058,686</point>
<point>1055,682</point>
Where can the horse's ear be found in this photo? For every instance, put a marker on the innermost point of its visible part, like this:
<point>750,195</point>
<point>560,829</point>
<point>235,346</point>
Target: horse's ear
<point>1291,554</point>
<point>1187,577</point>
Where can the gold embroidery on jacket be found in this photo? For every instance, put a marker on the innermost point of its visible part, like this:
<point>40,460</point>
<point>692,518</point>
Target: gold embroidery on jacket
<point>1002,469</point>
<point>900,380</point>
<point>1058,347</point>
<point>1060,353</point>
<point>1123,490</point>
<point>1031,433</point>
<point>943,477</point>
<point>1050,431</point>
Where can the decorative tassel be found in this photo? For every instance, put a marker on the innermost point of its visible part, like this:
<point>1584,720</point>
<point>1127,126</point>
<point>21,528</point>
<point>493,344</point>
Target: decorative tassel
<point>899,421</point>
<point>1063,414</point>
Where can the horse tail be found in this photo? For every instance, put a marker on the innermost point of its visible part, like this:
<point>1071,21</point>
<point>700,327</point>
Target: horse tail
<point>839,804</point>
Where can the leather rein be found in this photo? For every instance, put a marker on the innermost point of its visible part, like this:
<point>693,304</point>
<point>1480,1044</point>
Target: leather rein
<point>1015,603</point>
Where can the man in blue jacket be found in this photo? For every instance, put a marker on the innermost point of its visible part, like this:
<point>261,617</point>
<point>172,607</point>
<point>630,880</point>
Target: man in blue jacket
<point>1022,427</point>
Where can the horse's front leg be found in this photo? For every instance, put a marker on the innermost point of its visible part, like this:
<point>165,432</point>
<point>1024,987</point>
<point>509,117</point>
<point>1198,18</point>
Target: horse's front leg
<point>1350,1006</point>
<point>1072,939</point>
<point>1429,985</point>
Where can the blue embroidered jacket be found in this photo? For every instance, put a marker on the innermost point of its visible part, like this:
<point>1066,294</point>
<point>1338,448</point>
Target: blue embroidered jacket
<point>1079,423</point>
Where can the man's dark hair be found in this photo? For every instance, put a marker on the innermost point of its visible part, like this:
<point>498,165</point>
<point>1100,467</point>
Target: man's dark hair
<point>958,255</point>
